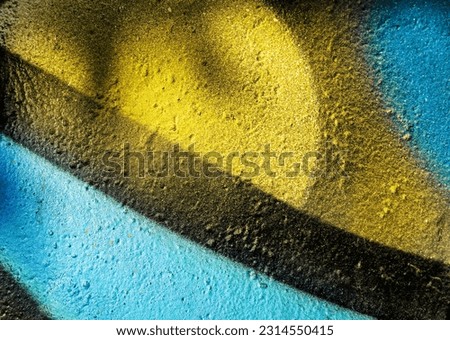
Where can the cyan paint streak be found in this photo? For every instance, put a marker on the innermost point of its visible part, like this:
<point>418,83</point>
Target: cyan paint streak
<point>85,256</point>
<point>411,52</point>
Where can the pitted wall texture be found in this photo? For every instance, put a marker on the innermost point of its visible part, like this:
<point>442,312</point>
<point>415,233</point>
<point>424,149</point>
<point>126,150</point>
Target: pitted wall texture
<point>91,230</point>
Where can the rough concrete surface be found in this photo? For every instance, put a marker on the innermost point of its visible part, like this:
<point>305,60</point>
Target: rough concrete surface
<point>364,225</point>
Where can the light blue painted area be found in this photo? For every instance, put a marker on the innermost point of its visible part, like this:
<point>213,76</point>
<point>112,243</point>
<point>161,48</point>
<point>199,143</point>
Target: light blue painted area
<point>410,51</point>
<point>84,256</point>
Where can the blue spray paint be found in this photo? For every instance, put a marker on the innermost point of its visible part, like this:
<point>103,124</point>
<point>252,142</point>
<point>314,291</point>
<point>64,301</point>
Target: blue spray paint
<point>85,256</point>
<point>410,51</point>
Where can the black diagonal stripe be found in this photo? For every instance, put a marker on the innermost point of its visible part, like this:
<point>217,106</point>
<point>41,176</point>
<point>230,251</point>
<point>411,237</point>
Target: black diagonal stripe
<point>15,302</point>
<point>225,214</point>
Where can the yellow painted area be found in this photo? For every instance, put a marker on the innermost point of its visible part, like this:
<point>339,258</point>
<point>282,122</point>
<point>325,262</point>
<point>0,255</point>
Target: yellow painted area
<point>233,76</point>
<point>384,195</point>
<point>67,39</point>
<point>228,79</point>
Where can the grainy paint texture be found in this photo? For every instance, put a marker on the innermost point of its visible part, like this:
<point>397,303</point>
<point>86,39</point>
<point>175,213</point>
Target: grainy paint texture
<point>234,76</point>
<point>15,302</point>
<point>410,50</point>
<point>85,256</point>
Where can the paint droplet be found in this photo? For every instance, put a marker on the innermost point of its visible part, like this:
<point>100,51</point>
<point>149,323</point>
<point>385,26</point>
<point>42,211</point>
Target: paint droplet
<point>394,188</point>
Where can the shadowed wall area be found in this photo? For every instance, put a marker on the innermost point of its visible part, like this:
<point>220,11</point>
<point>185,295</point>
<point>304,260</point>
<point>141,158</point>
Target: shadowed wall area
<point>366,227</point>
<point>15,302</point>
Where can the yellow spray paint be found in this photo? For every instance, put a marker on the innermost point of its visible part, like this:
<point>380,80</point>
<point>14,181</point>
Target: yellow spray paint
<point>213,79</point>
<point>232,76</point>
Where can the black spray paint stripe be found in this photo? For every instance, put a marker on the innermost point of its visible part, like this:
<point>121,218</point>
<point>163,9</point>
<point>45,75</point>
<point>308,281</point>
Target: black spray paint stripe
<point>15,302</point>
<point>225,214</point>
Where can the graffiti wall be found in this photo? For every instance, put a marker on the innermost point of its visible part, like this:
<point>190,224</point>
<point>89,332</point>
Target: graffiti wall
<point>238,159</point>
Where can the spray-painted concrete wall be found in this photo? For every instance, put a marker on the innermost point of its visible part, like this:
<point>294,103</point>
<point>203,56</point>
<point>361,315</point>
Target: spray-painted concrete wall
<point>224,159</point>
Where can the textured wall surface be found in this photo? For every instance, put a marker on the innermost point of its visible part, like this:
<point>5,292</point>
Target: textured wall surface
<point>348,102</point>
